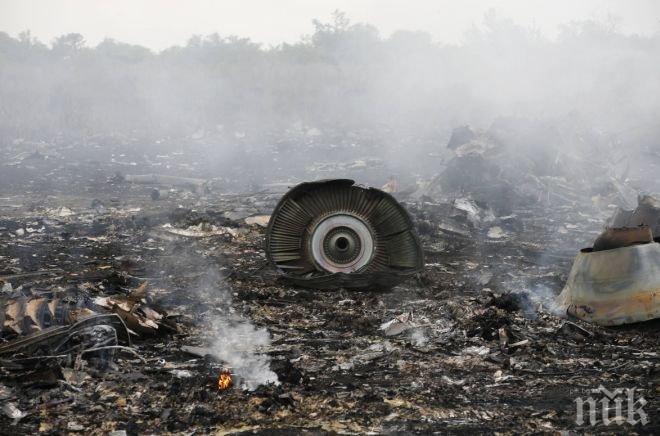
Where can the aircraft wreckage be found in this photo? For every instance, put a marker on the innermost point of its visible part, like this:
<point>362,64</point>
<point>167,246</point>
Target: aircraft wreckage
<point>617,281</point>
<point>332,233</point>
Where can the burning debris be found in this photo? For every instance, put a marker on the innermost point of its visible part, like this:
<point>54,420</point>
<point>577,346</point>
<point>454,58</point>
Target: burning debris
<point>332,234</point>
<point>240,345</point>
<point>225,380</point>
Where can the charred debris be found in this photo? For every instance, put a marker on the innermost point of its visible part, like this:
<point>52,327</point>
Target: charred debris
<point>138,302</point>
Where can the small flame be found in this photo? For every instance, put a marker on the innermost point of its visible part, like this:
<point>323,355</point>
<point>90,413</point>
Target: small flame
<point>225,381</point>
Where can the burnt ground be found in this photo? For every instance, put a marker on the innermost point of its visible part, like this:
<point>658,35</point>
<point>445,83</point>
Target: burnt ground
<point>486,353</point>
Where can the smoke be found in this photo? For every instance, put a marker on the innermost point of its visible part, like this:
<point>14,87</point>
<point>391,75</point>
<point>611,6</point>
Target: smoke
<point>277,110</point>
<point>238,343</point>
<point>532,299</point>
<point>542,299</point>
<point>232,338</point>
<point>418,337</point>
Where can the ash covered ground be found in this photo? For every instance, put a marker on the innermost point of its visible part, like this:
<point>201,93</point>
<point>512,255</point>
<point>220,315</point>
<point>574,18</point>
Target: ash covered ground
<point>482,347</point>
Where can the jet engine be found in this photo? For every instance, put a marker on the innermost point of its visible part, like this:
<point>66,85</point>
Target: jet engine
<point>334,234</point>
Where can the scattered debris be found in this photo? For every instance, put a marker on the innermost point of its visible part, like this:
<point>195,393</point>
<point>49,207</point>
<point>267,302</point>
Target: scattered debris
<point>160,194</point>
<point>521,163</point>
<point>201,230</point>
<point>496,233</point>
<point>486,349</point>
<point>647,214</point>
<point>398,325</point>
<point>197,185</point>
<point>392,186</point>
<point>93,337</point>
<point>12,412</point>
<point>136,314</point>
<point>476,350</point>
<point>259,220</point>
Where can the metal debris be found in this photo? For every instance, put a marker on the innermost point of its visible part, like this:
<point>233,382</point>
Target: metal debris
<point>331,234</point>
<point>398,325</point>
<point>616,286</point>
<point>12,412</point>
<point>617,281</point>
<point>197,185</point>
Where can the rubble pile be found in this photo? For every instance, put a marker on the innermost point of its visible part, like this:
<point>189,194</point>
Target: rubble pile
<point>517,163</point>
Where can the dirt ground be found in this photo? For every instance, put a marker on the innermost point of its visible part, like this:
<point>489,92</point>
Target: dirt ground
<point>485,353</point>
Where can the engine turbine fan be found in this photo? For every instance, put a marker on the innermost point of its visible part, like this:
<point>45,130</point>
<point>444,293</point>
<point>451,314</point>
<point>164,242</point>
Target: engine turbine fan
<point>331,234</point>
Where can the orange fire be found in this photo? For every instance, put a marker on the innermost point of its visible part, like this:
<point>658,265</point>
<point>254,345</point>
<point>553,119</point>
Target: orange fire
<point>224,381</point>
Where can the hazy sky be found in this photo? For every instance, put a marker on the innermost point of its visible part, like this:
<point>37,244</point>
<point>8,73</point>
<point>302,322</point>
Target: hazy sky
<point>161,23</point>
